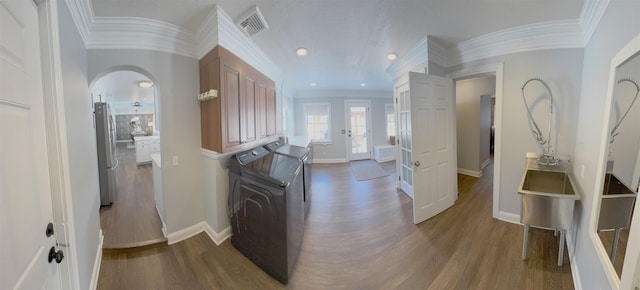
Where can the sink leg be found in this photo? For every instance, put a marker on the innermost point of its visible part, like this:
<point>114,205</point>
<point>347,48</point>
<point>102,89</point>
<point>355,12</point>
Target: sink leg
<point>525,241</point>
<point>561,249</point>
<point>614,249</point>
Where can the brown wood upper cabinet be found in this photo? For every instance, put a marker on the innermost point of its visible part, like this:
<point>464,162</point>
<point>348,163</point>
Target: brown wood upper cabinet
<point>244,111</point>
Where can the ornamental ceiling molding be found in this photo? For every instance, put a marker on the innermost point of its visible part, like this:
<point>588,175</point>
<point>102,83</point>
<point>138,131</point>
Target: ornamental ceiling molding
<point>149,34</point>
<point>539,36</point>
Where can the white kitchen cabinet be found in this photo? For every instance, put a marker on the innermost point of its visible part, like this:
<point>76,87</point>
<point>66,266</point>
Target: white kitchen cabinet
<point>145,146</point>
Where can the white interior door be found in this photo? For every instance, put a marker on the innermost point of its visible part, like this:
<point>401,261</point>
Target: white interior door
<point>25,194</point>
<point>358,129</point>
<point>433,145</point>
<point>404,163</point>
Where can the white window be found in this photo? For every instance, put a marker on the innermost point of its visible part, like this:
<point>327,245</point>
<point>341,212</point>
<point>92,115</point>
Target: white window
<point>316,117</point>
<point>391,120</point>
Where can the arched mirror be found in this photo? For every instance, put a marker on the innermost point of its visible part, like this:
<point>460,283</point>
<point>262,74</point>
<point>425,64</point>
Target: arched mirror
<point>622,173</point>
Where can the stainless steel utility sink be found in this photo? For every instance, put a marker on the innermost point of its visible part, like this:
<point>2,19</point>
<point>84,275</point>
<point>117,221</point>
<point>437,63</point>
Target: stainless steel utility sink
<point>548,198</point>
<point>547,183</point>
<point>617,204</point>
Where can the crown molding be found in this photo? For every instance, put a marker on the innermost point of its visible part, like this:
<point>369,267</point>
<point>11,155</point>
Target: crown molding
<point>574,33</point>
<point>436,52</point>
<point>539,36</point>
<point>207,33</point>
<point>233,39</point>
<point>417,56</point>
<point>140,33</point>
<point>82,14</point>
<point>590,16</point>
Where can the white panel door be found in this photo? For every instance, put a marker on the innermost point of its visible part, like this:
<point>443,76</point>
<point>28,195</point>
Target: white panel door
<point>404,163</point>
<point>432,145</point>
<point>25,194</point>
<point>358,129</point>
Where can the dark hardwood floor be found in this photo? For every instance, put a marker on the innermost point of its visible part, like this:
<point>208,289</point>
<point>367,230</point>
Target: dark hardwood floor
<point>360,235</point>
<point>132,220</point>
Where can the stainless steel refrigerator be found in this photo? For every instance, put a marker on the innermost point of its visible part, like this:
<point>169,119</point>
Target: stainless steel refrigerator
<point>107,161</point>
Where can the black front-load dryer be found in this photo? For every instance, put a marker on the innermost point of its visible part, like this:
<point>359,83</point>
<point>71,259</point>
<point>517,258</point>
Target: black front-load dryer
<point>266,209</point>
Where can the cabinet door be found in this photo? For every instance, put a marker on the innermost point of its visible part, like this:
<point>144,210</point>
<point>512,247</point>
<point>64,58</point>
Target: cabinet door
<point>248,111</point>
<point>261,109</point>
<point>230,108</point>
<point>271,111</point>
<point>143,151</point>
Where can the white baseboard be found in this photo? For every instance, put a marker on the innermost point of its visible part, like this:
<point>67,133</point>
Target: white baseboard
<point>470,172</point>
<point>193,230</point>
<point>164,226</point>
<point>509,217</point>
<point>386,159</point>
<point>331,160</point>
<point>97,263</point>
<point>485,163</point>
<point>217,238</point>
<point>184,234</point>
<point>575,273</point>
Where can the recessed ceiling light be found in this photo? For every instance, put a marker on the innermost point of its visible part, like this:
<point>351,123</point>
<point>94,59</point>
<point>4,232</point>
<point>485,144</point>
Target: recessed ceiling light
<point>392,56</point>
<point>301,51</point>
<point>363,84</point>
<point>145,84</point>
<point>313,84</point>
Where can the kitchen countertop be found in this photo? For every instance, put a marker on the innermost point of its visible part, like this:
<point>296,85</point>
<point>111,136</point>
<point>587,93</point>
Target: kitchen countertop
<point>145,138</point>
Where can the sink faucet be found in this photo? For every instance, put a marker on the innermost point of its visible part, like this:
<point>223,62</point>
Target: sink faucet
<point>548,160</point>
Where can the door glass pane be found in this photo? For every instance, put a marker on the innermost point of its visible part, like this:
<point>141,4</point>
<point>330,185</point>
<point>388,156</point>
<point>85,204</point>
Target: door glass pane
<point>358,130</point>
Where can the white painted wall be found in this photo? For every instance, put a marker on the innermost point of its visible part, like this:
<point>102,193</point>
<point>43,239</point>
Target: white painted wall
<point>618,26</point>
<point>177,82</point>
<point>337,149</point>
<point>468,118</point>
<point>561,69</point>
<point>626,145</point>
<point>81,145</point>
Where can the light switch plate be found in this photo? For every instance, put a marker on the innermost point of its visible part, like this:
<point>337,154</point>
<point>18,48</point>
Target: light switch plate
<point>175,160</point>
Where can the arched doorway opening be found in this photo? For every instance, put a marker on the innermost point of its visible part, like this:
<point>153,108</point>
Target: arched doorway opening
<point>128,130</point>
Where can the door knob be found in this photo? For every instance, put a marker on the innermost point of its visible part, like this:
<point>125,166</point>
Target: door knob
<point>417,163</point>
<point>53,255</point>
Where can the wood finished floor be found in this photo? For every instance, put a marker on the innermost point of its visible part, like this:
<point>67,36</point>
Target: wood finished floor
<point>606,237</point>
<point>360,235</point>
<point>132,220</point>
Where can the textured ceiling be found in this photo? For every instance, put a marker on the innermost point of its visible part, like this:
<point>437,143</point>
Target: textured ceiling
<point>348,39</point>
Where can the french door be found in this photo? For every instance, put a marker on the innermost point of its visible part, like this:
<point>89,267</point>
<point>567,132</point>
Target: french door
<point>358,129</point>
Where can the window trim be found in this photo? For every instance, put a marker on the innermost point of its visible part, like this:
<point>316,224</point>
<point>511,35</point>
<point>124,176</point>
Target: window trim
<point>304,116</point>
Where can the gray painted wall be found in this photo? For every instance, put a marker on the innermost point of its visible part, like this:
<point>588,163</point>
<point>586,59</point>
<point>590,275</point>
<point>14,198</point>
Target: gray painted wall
<point>468,118</point>
<point>177,81</point>
<point>337,149</point>
<point>485,128</point>
<point>618,26</point>
<point>81,144</point>
<point>561,69</point>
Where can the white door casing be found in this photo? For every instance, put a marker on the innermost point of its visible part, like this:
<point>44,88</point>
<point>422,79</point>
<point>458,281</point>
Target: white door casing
<point>358,117</point>
<point>25,194</point>
<point>433,144</point>
<point>404,163</point>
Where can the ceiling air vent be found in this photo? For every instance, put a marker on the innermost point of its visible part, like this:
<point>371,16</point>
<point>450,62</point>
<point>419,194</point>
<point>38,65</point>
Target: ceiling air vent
<point>252,22</point>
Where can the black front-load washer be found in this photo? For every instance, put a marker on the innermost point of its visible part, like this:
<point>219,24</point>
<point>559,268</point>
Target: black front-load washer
<point>266,209</point>
<point>304,154</point>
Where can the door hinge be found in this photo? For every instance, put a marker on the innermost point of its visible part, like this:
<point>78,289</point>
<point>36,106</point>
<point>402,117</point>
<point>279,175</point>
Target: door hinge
<point>396,100</point>
<point>398,177</point>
